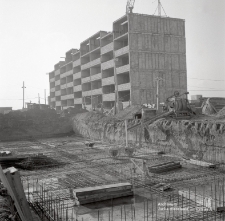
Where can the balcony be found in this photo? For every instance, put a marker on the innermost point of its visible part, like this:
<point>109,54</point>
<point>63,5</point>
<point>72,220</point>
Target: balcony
<point>66,74</point>
<point>76,63</point>
<point>107,48</point>
<point>58,103</point>
<point>91,63</point>
<point>52,99</point>
<point>57,82</point>
<point>109,97</point>
<point>70,84</point>
<point>95,62</point>
<point>78,101</point>
<point>64,97</point>
<point>52,80</point>
<point>77,75</point>
<point>96,91</point>
<point>58,93</point>
<point>85,80</point>
<point>122,51</point>
<point>108,64</point>
<point>107,81</point>
<point>57,72</point>
<point>70,96</point>
<point>63,86</point>
<point>124,87</point>
<point>96,77</point>
<point>86,93</point>
<point>77,88</point>
<point>52,89</point>
<point>123,69</point>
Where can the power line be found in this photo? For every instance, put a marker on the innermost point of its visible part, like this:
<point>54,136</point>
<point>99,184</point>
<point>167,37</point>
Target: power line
<point>206,90</point>
<point>204,87</point>
<point>202,79</point>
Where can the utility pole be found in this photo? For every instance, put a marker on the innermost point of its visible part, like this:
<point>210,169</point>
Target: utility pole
<point>23,93</point>
<point>45,96</point>
<point>38,99</point>
<point>157,92</point>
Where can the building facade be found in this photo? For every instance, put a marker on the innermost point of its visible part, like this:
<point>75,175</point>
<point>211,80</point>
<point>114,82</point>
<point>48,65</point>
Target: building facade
<point>125,62</point>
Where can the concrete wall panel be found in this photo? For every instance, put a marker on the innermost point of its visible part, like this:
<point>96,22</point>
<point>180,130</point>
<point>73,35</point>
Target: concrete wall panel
<point>173,27</point>
<point>182,45</point>
<point>175,61</point>
<point>183,81</point>
<point>167,43</point>
<point>174,44</point>
<point>175,80</point>
<point>161,61</point>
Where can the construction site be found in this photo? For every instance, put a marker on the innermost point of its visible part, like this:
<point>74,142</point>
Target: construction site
<point>103,151</point>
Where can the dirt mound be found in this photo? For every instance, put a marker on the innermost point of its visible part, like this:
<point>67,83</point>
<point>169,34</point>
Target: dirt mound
<point>221,113</point>
<point>128,113</point>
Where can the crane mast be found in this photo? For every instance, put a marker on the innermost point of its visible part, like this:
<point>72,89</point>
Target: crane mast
<point>130,6</point>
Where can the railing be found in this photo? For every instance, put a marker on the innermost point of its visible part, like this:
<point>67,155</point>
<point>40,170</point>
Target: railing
<point>108,64</point>
<point>58,93</point>
<point>70,96</point>
<point>52,99</point>
<point>97,91</point>
<point>109,97</point>
<point>52,89</point>
<point>107,48</point>
<point>77,100</point>
<point>96,77</point>
<point>91,63</point>
<point>64,97</point>
<point>123,69</point>
<point>66,74</point>
<point>63,86</point>
<point>85,80</point>
<point>70,84</point>
<point>108,80</point>
<point>86,93</point>
<point>77,88</point>
<point>58,103</point>
<point>57,82</point>
<point>77,75</point>
<point>76,63</point>
<point>57,72</point>
<point>124,87</point>
<point>121,51</point>
<point>52,79</point>
<point>120,33</point>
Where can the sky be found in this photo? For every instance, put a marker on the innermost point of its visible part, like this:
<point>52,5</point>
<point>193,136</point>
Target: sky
<point>34,34</point>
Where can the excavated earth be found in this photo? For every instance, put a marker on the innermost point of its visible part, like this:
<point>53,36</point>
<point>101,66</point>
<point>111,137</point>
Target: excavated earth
<point>201,137</point>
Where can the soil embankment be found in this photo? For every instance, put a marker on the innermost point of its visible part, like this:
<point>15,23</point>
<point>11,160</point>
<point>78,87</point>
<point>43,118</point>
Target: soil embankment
<point>30,124</point>
<point>202,138</point>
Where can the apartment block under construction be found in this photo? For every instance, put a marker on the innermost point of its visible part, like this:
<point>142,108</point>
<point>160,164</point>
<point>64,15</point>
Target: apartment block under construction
<point>125,62</point>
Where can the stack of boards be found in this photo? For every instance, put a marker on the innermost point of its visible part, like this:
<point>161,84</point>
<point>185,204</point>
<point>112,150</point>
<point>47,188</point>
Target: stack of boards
<point>164,167</point>
<point>105,192</point>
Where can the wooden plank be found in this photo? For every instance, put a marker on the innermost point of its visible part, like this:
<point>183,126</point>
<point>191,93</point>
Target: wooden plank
<point>20,192</point>
<point>102,187</point>
<point>10,191</point>
<point>101,198</point>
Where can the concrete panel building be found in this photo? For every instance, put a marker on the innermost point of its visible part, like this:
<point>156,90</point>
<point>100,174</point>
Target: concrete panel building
<point>129,59</point>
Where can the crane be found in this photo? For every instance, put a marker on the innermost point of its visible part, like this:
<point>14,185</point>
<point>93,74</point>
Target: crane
<point>130,6</point>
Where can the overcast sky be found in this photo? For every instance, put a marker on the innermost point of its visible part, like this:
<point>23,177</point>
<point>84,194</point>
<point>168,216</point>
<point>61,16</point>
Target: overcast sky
<point>34,34</point>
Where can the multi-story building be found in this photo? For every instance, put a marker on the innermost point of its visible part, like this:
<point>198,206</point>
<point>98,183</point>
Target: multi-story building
<point>126,61</point>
